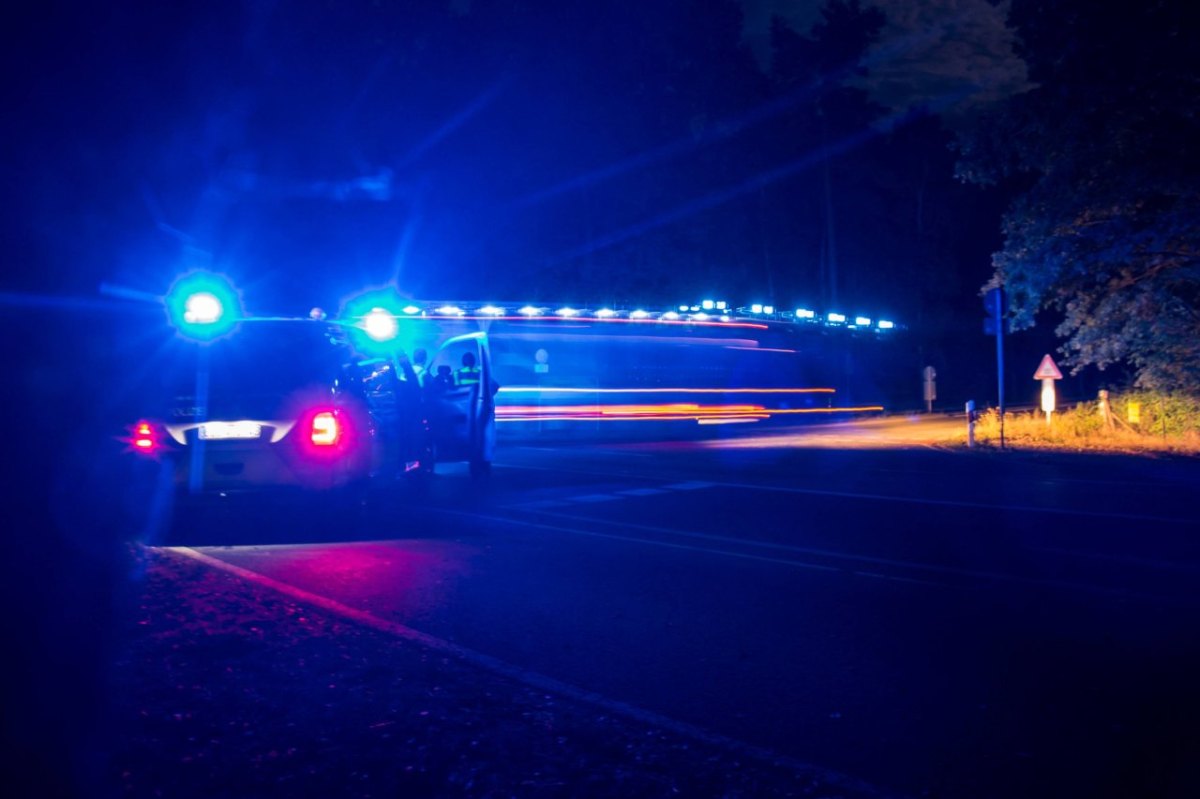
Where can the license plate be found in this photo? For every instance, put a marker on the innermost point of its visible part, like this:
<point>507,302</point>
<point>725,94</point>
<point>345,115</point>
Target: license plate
<point>223,430</point>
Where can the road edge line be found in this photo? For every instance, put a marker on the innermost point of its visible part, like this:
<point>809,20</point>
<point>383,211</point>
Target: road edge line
<point>532,678</point>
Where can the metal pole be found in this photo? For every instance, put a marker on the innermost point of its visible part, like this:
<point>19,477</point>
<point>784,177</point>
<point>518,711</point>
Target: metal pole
<point>970,423</point>
<point>998,314</point>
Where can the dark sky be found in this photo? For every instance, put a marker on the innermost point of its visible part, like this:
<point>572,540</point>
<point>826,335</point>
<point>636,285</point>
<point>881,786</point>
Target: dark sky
<point>648,153</point>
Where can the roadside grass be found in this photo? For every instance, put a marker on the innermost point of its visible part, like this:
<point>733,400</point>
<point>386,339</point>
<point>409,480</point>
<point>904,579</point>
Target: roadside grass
<point>1141,422</point>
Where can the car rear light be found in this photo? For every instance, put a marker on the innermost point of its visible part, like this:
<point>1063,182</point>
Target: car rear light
<point>326,430</point>
<point>144,438</point>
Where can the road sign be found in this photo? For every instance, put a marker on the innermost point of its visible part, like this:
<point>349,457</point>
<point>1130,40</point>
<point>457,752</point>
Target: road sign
<point>1047,370</point>
<point>994,302</point>
<point>990,326</point>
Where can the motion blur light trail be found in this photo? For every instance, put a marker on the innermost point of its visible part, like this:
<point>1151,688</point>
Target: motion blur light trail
<point>566,390</point>
<point>724,413</point>
<point>705,414</point>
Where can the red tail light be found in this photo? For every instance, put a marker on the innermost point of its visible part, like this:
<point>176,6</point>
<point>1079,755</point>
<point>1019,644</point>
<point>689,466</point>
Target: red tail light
<point>326,430</point>
<point>144,437</point>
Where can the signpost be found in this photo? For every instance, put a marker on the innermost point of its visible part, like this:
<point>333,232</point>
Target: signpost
<point>993,325</point>
<point>929,378</point>
<point>1047,372</point>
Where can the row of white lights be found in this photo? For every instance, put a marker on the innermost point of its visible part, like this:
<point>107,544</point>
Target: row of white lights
<point>708,309</point>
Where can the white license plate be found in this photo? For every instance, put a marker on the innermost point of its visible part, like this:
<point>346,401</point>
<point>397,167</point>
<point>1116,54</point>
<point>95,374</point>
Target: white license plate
<point>219,430</point>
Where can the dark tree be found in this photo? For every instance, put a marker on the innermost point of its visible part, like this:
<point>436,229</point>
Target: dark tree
<point>1106,230</point>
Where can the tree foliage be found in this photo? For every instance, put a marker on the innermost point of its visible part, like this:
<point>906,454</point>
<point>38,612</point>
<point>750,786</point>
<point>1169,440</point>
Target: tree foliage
<point>1106,227</point>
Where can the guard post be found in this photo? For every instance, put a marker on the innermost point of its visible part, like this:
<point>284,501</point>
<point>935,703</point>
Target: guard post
<point>970,423</point>
<point>1048,372</point>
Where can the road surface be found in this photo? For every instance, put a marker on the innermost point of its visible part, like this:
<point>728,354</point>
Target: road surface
<point>933,622</point>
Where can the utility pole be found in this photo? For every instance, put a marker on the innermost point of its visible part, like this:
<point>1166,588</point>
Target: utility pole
<point>993,303</point>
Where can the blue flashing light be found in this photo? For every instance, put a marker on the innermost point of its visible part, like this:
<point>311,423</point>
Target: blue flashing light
<point>202,308</point>
<point>707,305</point>
<point>768,309</point>
<point>372,321</point>
<point>884,324</point>
<point>638,314</point>
<point>203,305</point>
<point>491,310</point>
<point>835,318</point>
<point>683,308</point>
<point>700,317</point>
<point>529,310</point>
<point>805,313</point>
<point>670,315</point>
<point>756,308</point>
<point>566,312</point>
<point>862,321</point>
<point>605,313</point>
<point>721,305</point>
<point>380,324</point>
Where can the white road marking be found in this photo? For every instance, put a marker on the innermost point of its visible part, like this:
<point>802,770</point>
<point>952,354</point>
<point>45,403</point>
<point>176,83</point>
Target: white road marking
<point>594,498</point>
<point>800,564</point>
<point>1149,563</point>
<point>532,678</point>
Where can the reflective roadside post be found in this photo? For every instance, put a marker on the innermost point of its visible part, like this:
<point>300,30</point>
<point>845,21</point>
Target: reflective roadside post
<point>929,378</point>
<point>541,366</point>
<point>970,423</point>
<point>1047,372</point>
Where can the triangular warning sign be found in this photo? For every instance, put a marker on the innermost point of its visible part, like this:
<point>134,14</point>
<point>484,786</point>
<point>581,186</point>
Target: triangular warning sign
<point>1047,370</point>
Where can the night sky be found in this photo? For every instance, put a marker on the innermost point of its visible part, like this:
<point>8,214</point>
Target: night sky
<point>569,151</point>
<point>799,154</point>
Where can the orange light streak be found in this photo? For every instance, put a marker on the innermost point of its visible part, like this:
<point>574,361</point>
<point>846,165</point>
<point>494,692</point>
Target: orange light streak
<point>549,390</point>
<point>705,414</point>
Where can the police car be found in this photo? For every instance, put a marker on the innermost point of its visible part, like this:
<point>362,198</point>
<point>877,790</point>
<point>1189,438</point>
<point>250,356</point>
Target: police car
<point>301,407</point>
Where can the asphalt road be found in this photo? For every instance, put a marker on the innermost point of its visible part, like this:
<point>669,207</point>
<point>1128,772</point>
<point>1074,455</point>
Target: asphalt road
<point>935,623</point>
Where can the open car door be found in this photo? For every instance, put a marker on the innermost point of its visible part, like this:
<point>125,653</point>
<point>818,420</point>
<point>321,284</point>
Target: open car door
<point>462,404</point>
